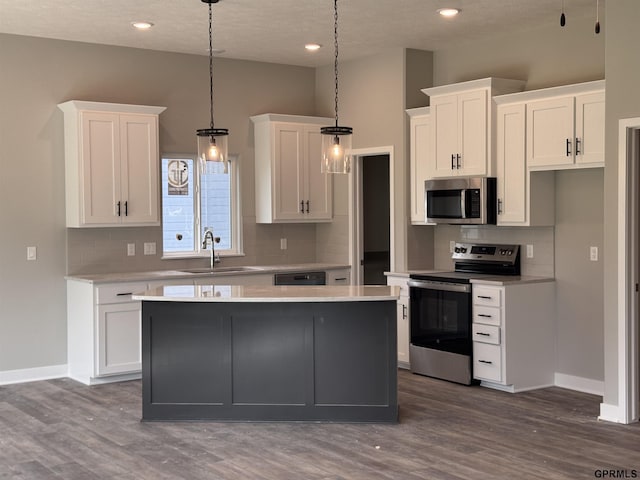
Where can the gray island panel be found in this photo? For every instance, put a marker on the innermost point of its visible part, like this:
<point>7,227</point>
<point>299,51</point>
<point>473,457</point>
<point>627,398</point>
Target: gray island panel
<point>228,361</point>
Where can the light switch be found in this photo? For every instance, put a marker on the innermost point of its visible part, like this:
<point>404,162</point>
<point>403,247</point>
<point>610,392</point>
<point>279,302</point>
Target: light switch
<point>529,251</point>
<point>593,254</point>
<point>283,244</point>
<point>32,253</point>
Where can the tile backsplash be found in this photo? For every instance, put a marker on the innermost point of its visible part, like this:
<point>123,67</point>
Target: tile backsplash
<point>542,239</point>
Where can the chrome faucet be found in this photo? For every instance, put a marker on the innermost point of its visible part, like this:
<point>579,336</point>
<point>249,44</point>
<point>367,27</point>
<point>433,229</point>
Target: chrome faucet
<point>208,235</point>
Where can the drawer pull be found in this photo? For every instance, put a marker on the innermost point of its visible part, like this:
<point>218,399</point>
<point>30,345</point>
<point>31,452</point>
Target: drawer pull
<point>123,294</point>
<point>341,279</point>
<point>484,315</point>
<point>486,361</point>
<point>485,297</point>
<point>483,334</point>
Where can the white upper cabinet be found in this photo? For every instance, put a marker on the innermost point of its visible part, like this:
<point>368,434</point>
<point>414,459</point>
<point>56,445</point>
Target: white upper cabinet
<point>111,164</point>
<point>565,127</point>
<point>462,124</point>
<point>419,131</point>
<point>290,187</point>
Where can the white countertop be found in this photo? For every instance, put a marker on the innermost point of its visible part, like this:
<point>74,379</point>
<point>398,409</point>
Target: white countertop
<point>186,273</point>
<point>252,293</point>
<point>481,279</point>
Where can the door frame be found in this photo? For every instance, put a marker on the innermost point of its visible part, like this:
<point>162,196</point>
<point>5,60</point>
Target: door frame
<point>356,243</point>
<point>628,257</point>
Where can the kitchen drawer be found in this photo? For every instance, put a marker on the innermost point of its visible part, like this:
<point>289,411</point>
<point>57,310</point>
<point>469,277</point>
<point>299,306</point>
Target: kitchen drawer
<point>487,362</point>
<point>490,297</point>
<point>487,315</point>
<point>118,292</point>
<point>486,333</point>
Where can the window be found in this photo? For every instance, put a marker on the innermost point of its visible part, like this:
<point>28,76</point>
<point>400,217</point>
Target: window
<point>194,203</point>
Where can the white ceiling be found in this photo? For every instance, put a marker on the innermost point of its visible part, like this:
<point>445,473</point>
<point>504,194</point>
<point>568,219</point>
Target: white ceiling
<point>276,31</point>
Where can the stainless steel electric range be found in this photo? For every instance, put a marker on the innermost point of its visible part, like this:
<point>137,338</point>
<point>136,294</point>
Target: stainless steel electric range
<point>440,310</point>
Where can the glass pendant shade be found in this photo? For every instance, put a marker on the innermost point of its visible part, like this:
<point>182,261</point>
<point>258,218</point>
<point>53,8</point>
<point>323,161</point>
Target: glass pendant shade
<point>212,150</point>
<point>336,149</point>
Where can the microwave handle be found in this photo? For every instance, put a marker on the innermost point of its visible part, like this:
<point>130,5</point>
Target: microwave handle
<point>463,203</point>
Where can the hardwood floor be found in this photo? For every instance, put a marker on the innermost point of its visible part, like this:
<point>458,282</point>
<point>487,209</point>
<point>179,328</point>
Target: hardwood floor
<point>60,429</point>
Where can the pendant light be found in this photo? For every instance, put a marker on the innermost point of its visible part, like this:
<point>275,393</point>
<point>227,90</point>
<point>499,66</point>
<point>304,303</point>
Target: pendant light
<point>597,29</point>
<point>212,141</point>
<point>563,19</point>
<point>336,140</point>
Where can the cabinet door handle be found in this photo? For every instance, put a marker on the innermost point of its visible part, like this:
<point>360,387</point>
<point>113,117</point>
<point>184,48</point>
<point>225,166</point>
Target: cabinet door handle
<point>568,147</point>
<point>485,361</point>
<point>483,334</point>
<point>126,208</point>
<point>499,206</point>
<point>301,206</point>
<point>404,312</point>
<point>307,206</point>
<point>453,157</point>
<point>578,146</point>
<point>118,204</point>
<point>458,160</point>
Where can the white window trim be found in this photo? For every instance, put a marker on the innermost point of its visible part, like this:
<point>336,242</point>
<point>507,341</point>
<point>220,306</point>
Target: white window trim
<point>237,249</point>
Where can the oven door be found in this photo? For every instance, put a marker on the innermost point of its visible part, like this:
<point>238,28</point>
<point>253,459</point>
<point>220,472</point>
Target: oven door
<point>440,316</point>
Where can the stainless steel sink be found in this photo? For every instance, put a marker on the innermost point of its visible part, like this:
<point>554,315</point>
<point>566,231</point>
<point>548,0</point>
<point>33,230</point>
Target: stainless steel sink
<point>205,270</point>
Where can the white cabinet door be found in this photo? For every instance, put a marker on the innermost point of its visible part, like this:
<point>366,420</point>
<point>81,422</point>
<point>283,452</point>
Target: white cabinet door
<point>472,133</point>
<point>318,184</point>
<point>511,166</point>
<point>590,129</point>
<point>444,136</point>
<point>420,125</point>
<point>289,172</point>
<point>550,132</point>
<point>119,338</point>
<point>100,168</point>
<point>139,169</point>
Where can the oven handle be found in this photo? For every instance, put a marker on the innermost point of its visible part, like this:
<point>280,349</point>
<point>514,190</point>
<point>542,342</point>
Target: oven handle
<point>443,286</point>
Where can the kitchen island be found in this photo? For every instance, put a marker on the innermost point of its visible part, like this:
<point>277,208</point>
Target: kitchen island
<point>269,353</point>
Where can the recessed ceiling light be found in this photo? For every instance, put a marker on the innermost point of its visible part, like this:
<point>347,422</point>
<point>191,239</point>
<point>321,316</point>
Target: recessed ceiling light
<point>312,47</point>
<point>449,12</point>
<point>142,25</point>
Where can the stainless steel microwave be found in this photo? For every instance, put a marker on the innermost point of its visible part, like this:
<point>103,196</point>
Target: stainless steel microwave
<point>467,201</point>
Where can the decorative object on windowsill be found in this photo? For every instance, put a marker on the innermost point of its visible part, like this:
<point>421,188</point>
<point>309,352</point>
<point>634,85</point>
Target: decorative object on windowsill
<point>336,140</point>
<point>212,141</point>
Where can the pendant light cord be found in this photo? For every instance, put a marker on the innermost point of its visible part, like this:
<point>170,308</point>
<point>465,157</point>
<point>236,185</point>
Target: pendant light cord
<point>211,64</point>
<point>335,36</point>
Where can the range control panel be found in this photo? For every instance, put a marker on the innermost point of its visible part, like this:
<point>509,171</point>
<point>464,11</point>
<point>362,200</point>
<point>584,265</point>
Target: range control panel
<point>485,252</point>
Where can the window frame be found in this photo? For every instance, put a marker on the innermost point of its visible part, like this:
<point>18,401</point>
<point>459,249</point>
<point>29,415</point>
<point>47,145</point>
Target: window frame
<point>237,244</point>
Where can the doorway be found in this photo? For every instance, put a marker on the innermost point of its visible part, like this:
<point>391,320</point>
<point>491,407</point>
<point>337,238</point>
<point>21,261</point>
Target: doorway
<point>372,214</point>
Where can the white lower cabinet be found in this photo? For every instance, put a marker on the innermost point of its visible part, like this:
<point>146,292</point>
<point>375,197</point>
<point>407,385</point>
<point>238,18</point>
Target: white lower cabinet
<point>403,317</point>
<point>513,335</point>
<point>119,338</point>
<point>339,277</point>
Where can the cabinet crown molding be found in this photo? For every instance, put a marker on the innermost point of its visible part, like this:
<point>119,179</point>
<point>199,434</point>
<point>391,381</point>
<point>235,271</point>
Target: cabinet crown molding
<point>546,93</point>
<point>497,86</point>
<point>77,105</point>
<point>280,117</point>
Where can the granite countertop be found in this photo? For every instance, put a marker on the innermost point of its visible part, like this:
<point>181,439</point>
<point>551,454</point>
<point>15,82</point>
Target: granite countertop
<point>186,273</point>
<point>258,294</point>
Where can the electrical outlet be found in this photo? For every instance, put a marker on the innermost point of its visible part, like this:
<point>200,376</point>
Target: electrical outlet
<point>593,254</point>
<point>32,253</point>
<point>149,248</point>
<point>283,244</point>
<point>529,251</point>
<point>131,249</point>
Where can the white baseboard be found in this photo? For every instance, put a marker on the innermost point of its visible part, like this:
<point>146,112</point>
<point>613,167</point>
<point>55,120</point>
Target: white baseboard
<point>580,384</point>
<point>610,413</point>
<point>8,377</point>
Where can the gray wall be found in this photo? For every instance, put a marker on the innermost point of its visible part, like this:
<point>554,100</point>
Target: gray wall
<point>35,76</point>
<point>623,101</point>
